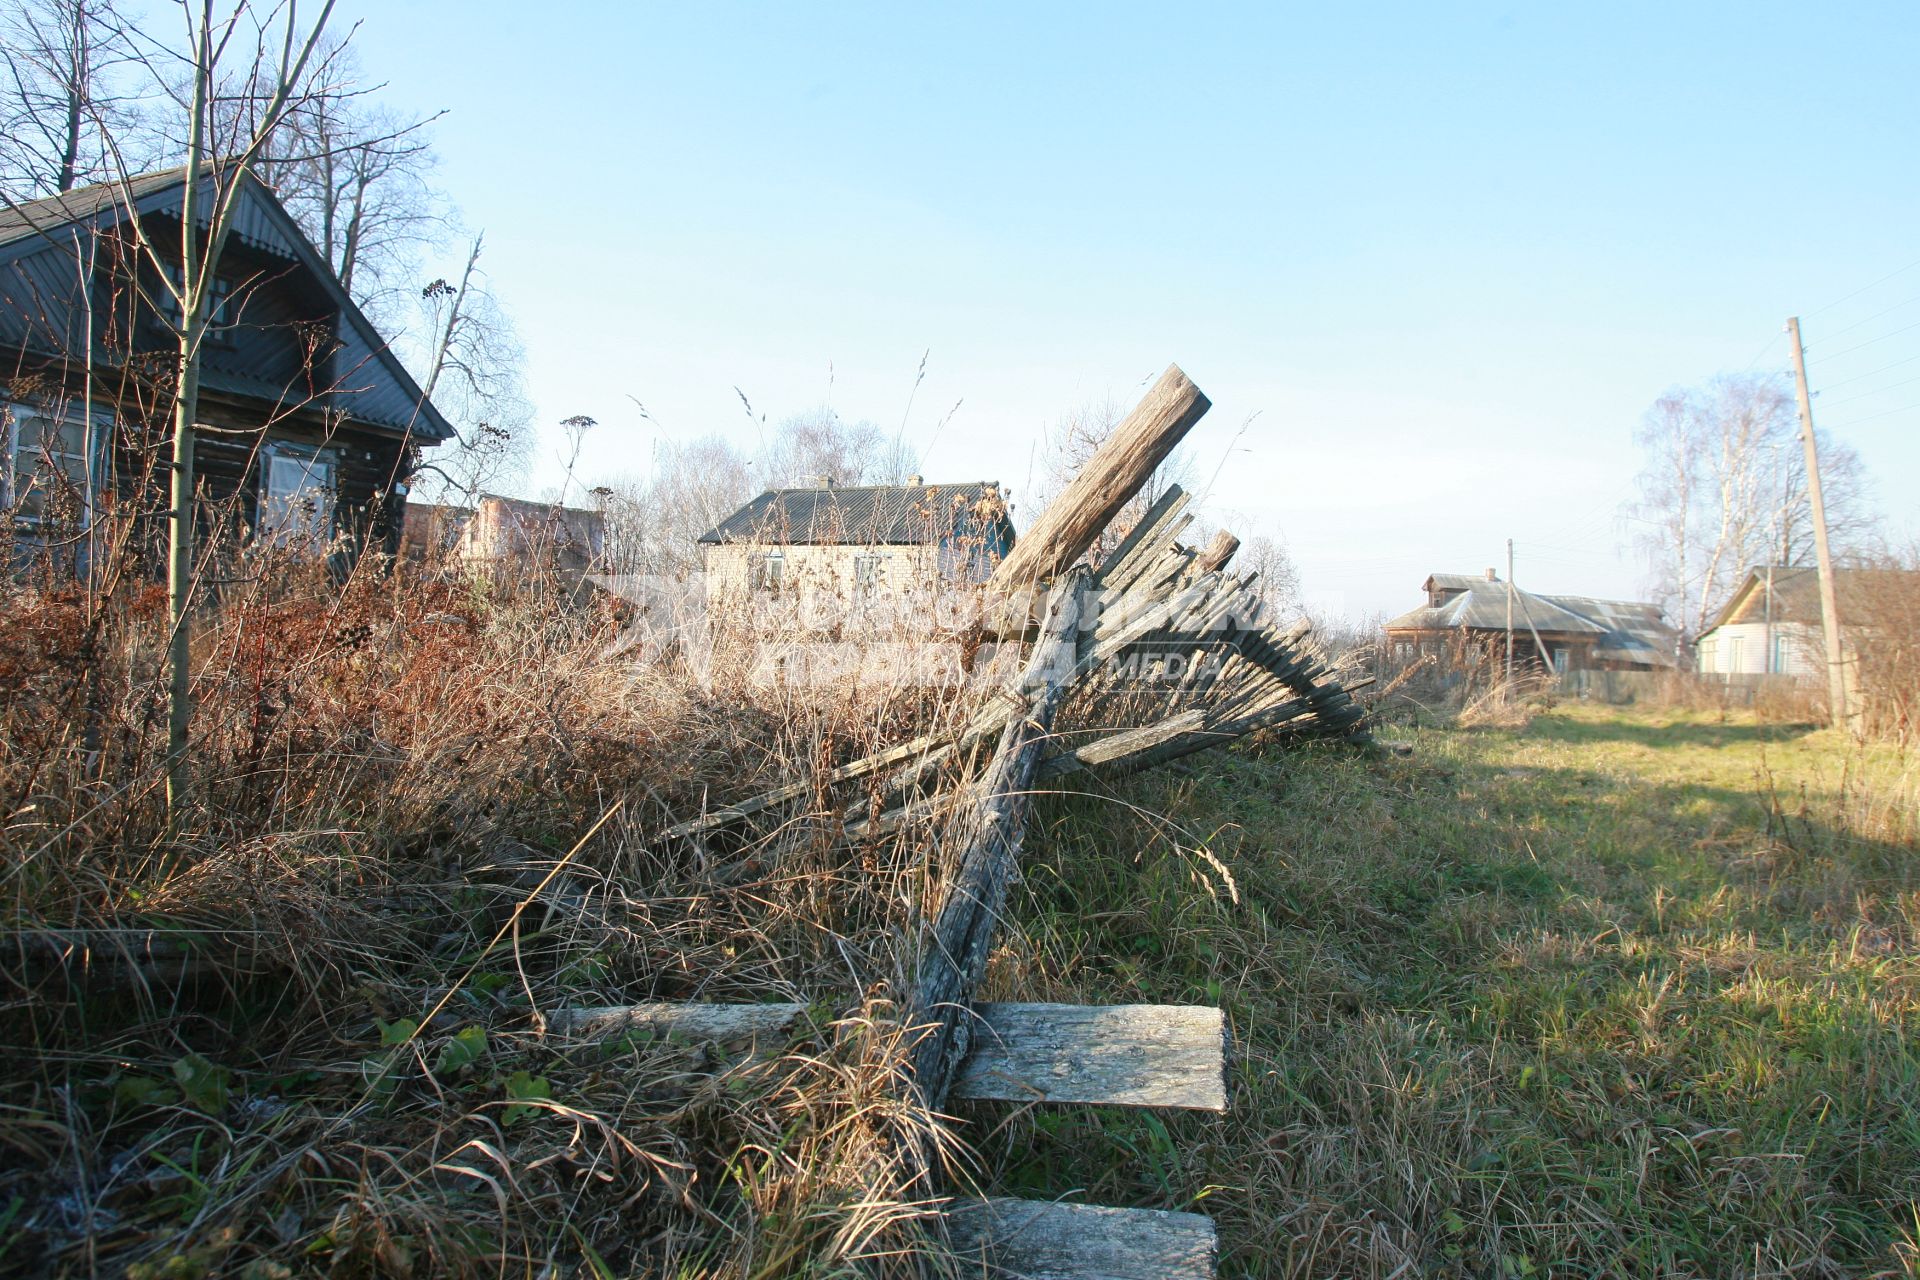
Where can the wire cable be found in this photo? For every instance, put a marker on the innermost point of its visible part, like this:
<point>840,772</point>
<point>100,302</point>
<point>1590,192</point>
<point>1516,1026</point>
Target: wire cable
<point>1870,341</point>
<point>1868,395</point>
<point>1863,288</point>
<point>1859,324</point>
<point>1872,417</point>
<point>1829,386</point>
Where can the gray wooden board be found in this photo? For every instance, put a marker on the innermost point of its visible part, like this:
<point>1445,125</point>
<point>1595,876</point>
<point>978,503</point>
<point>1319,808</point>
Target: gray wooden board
<point>1043,1240</point>
<point>721,1022</point>
<point>1129,1055</point>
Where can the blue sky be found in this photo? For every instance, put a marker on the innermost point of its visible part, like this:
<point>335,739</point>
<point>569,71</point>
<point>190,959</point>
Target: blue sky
<point>1431,264</point>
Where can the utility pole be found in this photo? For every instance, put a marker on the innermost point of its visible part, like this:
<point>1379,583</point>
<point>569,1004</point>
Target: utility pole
<point>1509,611</point>
<point>1829,604</point>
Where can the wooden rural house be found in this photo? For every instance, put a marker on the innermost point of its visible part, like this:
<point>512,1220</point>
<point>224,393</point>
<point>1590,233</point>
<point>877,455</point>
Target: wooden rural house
<point>1771,624</point>
<point>310,425</point>
<point>497,530</point>
<point>846,541</point>
<point>1465,620</point>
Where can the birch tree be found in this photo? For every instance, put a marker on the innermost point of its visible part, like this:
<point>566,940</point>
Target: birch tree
<point>1723,488</point>
<point>278,48</point>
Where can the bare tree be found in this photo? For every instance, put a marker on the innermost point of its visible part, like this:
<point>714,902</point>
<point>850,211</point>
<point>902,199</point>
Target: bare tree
<point>1277,585</point>
<point>64,91</point>
<point>355,175</point>
<point>653,523</point>
<point>819,446</point>
<point>1724,488</point>
<point>473,362</point>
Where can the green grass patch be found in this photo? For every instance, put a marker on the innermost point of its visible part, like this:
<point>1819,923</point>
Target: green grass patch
<point>1619,993</point>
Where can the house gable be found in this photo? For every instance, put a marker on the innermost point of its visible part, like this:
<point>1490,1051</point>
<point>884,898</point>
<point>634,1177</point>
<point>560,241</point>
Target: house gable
<point>48,253</point>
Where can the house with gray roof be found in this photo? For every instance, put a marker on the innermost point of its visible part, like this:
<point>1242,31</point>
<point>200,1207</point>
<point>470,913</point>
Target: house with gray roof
<point>1771,625</point>
<point>1465,619</point>
<point>309,425</point>
<point>850,539</point>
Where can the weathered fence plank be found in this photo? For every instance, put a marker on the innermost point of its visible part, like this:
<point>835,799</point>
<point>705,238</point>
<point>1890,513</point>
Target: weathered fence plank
<point>1128,1055</point>
<point>721,1022</point>
<point>1045,1240</point>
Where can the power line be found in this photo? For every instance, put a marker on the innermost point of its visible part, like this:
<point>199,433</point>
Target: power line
<point>1863,288</point>
<point>1870,341</point>
<point>1873,417</point>
<point>1869,320</point>
<point>1829,386</point>
<point>1868,395</point>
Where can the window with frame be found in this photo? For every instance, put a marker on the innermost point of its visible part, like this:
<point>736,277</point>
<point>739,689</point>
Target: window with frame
<point>769,571</point>
<point>866,568</point>
<point>51,465</point>
<point>296,498</point>
<point>220,306</point>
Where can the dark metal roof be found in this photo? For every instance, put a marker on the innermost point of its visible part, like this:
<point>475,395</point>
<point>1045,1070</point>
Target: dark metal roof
<point>390,398</point>
<point>33,219</point>
<point>872,515</point>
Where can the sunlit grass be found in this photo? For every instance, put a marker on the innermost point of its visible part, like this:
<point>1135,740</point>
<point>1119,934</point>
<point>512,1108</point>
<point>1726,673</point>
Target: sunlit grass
<point>1620,992</point>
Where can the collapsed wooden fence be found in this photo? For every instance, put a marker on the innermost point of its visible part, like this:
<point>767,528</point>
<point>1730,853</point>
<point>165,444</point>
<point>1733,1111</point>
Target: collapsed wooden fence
<point>1156,652</point>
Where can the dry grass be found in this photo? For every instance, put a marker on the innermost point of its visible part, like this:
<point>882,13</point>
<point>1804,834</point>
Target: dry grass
<point>306,1034</point>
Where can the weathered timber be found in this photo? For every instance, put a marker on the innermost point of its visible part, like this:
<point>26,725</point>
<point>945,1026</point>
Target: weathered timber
<point>956,948</point>
<point>1119,746</point>
<point>793,791</point>
<point>1151,532</point>
<point>724,1023</point>
<point>1046,1240</point>
<point>1114,473</point>
<point>1128,1055</point>
<point>1218,552</point>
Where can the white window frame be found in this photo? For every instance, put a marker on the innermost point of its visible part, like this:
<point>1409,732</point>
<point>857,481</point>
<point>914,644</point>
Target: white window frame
<point>320,525</point>
<point>867,568</point>
<point>769,570</point>
<point>91,459</point>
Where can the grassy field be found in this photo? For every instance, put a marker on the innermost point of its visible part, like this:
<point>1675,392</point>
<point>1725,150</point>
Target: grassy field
<point>1619,993</point>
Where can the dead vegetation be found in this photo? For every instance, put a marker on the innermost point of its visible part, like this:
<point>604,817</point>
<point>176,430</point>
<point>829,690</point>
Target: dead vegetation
<point>306,1031</point>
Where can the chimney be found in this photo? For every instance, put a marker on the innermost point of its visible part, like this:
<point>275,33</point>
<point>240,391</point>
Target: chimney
<point>915,481</point>
<point>1490,577</point>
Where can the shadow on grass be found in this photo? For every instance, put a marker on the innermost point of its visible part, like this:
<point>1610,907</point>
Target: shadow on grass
<point>1640,733</point>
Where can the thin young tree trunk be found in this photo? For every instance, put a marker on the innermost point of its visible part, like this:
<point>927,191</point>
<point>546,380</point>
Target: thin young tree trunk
<point>186,407</point>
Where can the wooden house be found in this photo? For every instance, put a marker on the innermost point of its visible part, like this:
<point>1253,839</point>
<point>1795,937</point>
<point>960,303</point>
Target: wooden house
<point>1771,624</point>
<point>309,425</point>
<point>1465,618</point>
<point>848,540</point>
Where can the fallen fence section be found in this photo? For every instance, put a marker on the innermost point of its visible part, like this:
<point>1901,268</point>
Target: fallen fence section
<point>1155,652</point>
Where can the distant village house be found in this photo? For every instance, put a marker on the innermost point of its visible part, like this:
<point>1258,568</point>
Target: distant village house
<point>846,540</point>
<point>1466,617</point>
<point>1771,624</point>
